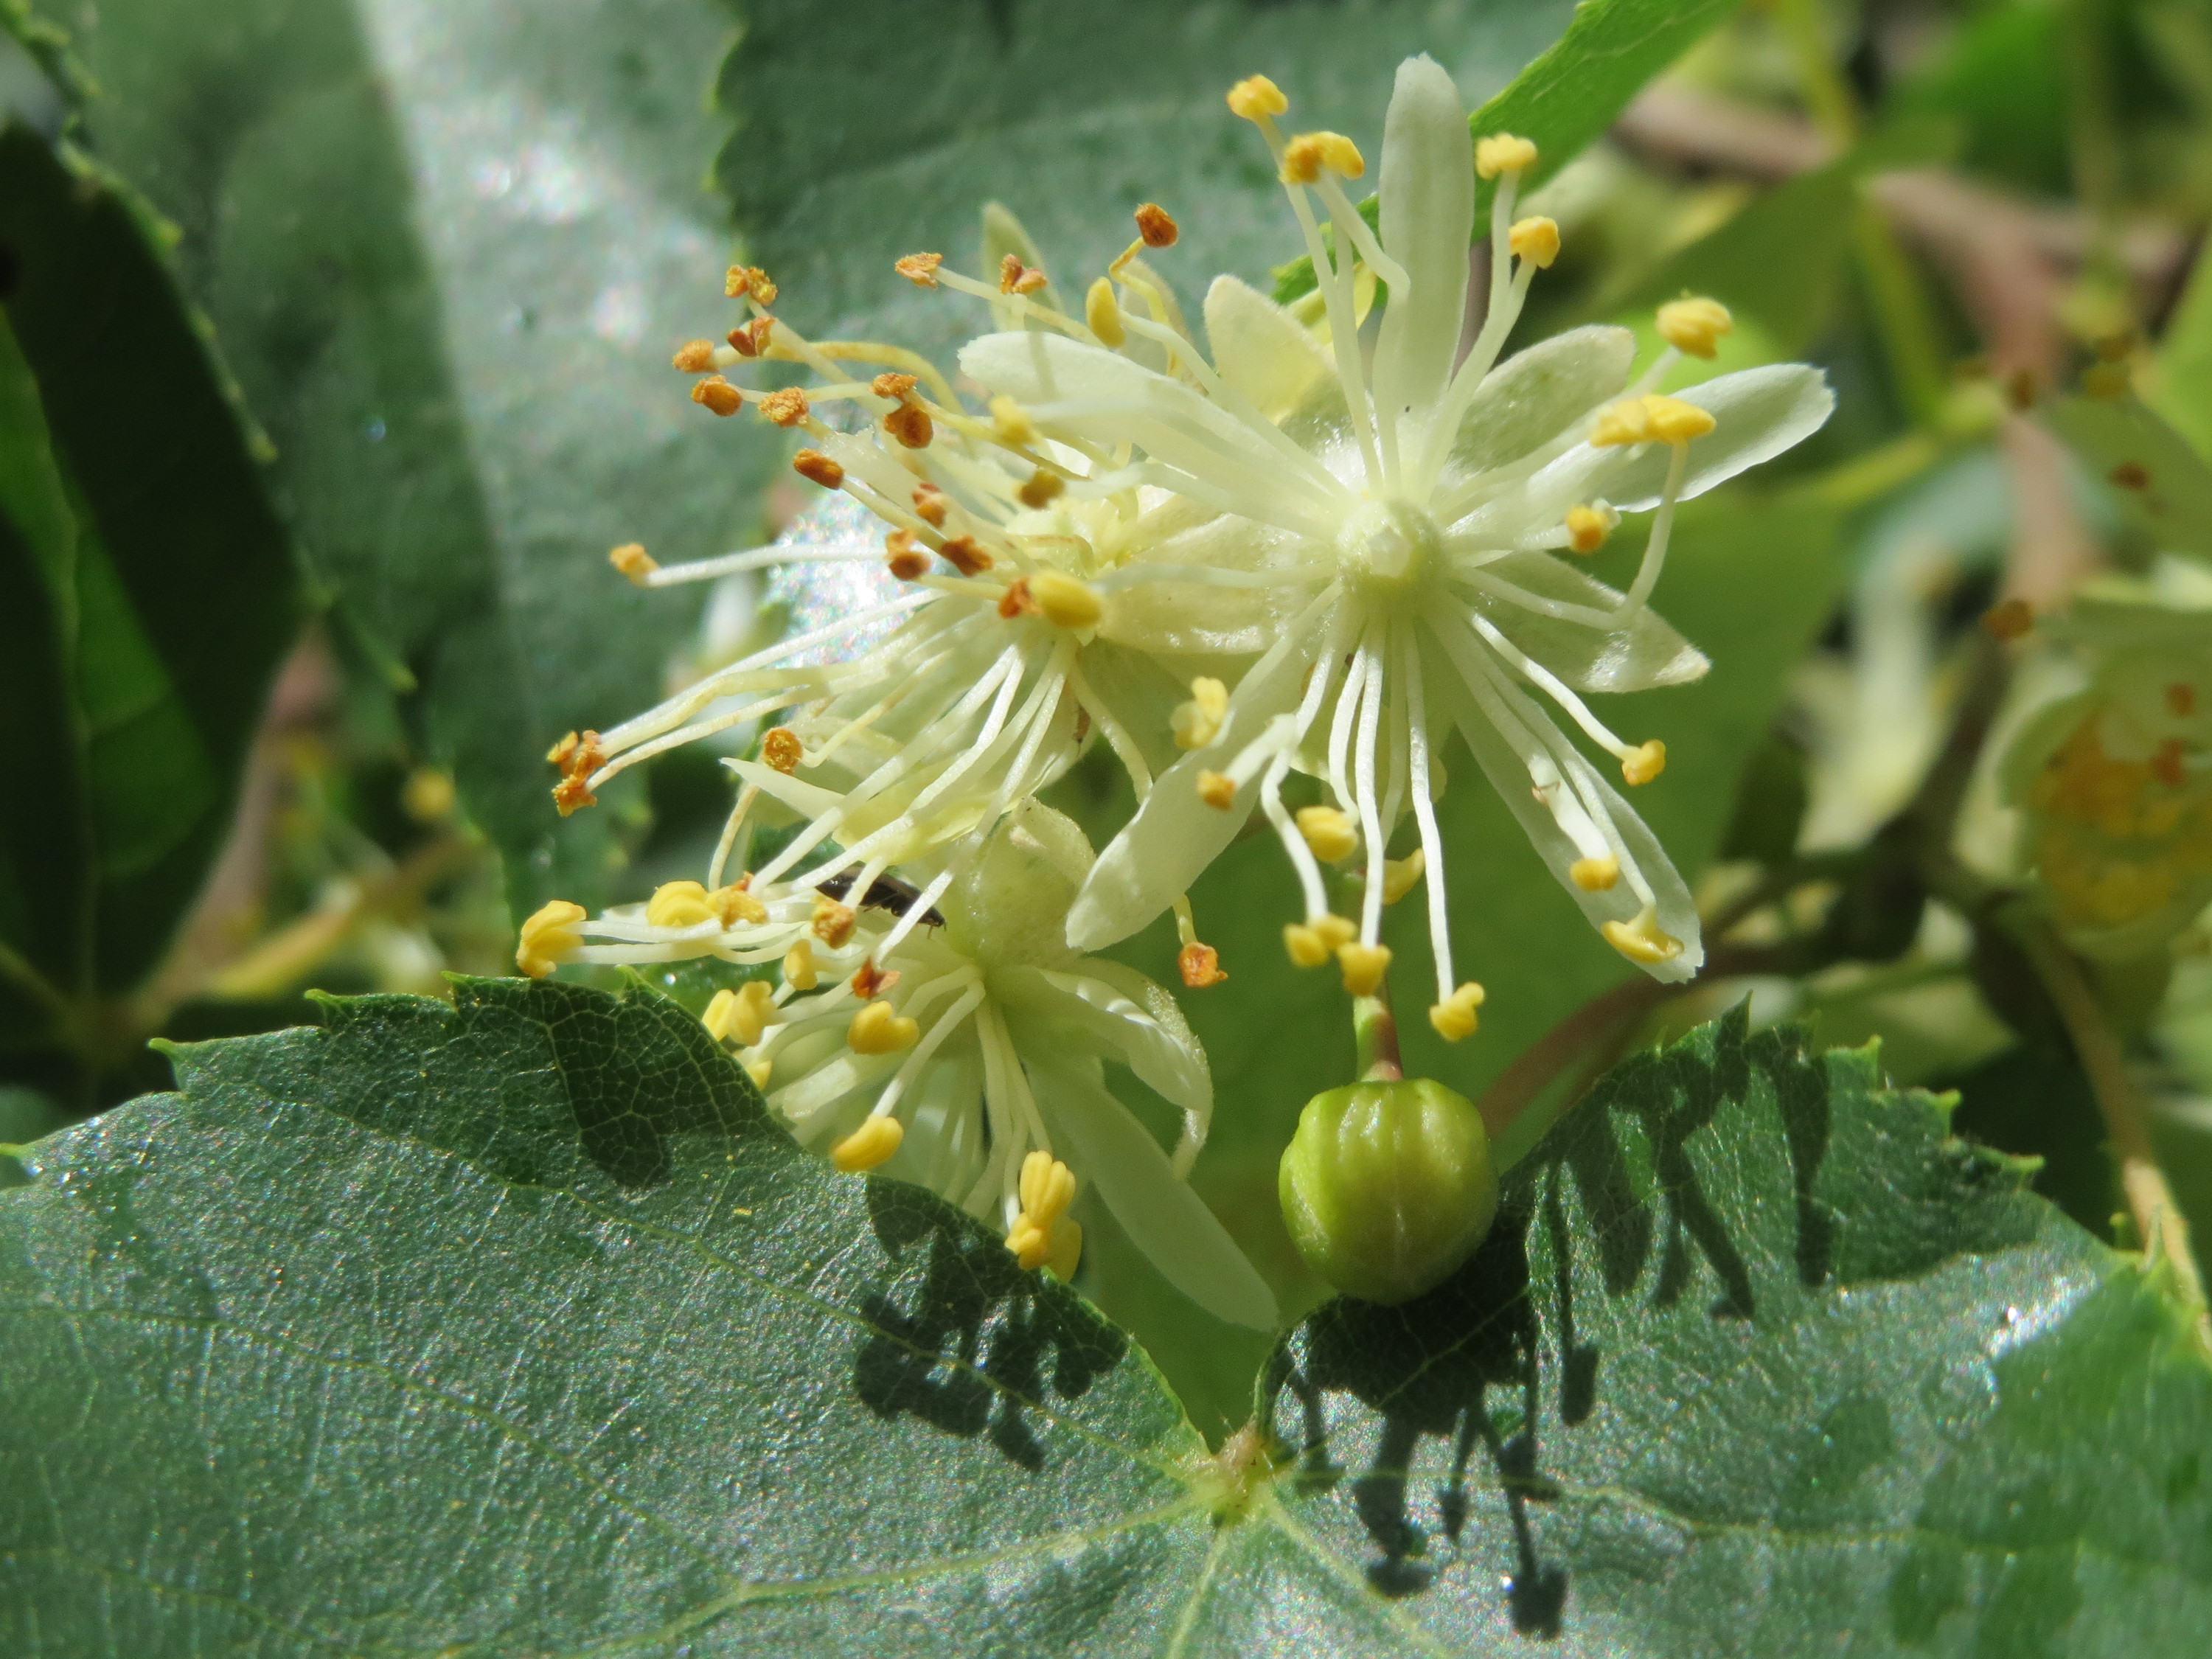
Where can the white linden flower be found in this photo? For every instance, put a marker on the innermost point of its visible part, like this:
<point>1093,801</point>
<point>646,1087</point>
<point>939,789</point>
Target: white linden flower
<point>1379,527</point>
<point>1010,652</point>
<point>963,1050</point>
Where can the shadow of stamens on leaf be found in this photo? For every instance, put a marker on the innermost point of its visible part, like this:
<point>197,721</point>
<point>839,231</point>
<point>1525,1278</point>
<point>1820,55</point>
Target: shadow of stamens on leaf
<point>1427,1367</point>
<point>962,1338</point>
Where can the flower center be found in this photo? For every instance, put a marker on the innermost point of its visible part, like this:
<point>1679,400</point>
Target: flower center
<point>1387,547</point>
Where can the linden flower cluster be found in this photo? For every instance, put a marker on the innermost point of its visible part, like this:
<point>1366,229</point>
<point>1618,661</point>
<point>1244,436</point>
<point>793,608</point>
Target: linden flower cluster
<point>1316,547</point>
<point>2116,780</point>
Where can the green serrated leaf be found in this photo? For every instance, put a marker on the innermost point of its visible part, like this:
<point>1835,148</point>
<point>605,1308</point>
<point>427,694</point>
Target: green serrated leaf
<point>448,251</point>
<point>150,592</point>
<point>1758,1357</point>
<point>864,133</point>
<point>516,1327</point>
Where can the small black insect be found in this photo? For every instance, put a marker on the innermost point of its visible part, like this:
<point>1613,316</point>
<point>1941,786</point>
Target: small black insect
<point>885,893</point>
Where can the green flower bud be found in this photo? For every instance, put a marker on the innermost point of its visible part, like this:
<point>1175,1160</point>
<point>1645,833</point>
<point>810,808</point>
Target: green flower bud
<point>1387,1187</point>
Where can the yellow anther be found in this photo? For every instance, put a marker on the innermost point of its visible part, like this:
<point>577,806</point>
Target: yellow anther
<point>1455,1017</point>
<point>1535,240</point>
<point>1218,790</point>
<point>427,795</point>
<point>742,280</point>
<point>1102,311</point>
<point>1315,940</point>
<point>718,394</point>
<point>1065,602</point>
<point>1015,277</point>
<point>1640,940</point>
<point>1257,96</point>
<point>871,1144</point>
<point>799,971</point>
<point>1156,226</point>
<point>750,339</point>
<point>1047,1188</point>
<point>920,269</point>
<point>870,981</point>
<point>877,1030</point>
<point>1198,722</point>
<point>817,468</point>
<point>1200,965</point>
<point>1364,967</point>
<point>1305,156</point>
<point>733,904</point>
<point>965,554</point>
<point>780,748</point>
<point>1502,152</point>
<point>910,424</point>
<point>759,1070</point>
<point>1597,875</point>
<point>678,904</point>
<point>785,408</point>
<point>1010,422</point>
<point>1031,1246</point>
<point>1064,1249</point>
<point>889,385</point>
<point>550,935</point>
<point>1623,422</point>
<point>1672,420</point>
<point>1694,326</point>
<point>633,561</point>
<point>1588,526</point>
<point>832,922</point>
<point>739,1016</point>
<point>694,356</point>
<point>1041,489</point>
<point>1401,876</point>
<point>572,792</point>
<point>1645,763</point>
<point>1328,832</point>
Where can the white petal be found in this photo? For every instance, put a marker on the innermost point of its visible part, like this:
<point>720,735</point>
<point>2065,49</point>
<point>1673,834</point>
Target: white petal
<point>809,800</point>
<point>1168,1222</point>
<point>1644,652</point>
<point>1759,412</point>
<point>1175,835</point>
<point>1260,349</point>
<point>1127,1019</point>
<point>1104,397</point>
<point>1535,395</point>
<point>1428,216</point>
<point>1677,912</point>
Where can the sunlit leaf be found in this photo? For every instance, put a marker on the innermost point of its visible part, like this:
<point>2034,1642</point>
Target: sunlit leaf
<point>516,1327</point>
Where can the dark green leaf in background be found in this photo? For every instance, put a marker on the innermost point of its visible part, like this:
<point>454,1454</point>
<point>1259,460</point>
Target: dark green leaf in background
<point>516,1328</point>
<point>149,592</point>
<point>448,250</point>
<point>867,132</point>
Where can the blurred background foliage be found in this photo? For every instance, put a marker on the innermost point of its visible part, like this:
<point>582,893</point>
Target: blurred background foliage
<point>336,362</point>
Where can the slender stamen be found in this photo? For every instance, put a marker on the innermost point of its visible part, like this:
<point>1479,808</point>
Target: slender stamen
<point>1425,816</point>
<point>1554,688</point>
<point>1654,544</point>
<point>1370,823</point>
<point>1301,858</point>
<point>756,558</point>
<point>731,830</point>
